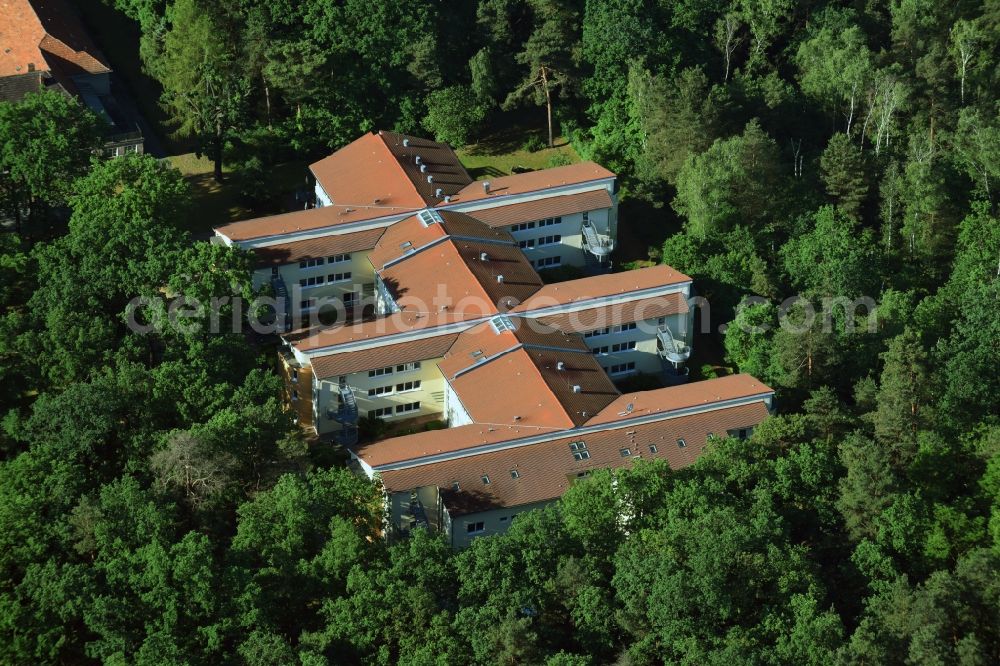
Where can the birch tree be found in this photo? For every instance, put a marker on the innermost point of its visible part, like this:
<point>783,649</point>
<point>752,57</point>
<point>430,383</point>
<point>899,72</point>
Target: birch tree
<point>834,68</point>
<point>965,39</point>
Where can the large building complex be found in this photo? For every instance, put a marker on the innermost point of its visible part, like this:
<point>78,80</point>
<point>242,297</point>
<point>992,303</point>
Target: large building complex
<point>442,313</point>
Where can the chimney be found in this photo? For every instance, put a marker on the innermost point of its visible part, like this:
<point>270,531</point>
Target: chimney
<point>560,366</point>
<point>576,388</point>
<point>406,143</point>
<point>500,279</point>
<point>486,186</point>
<point>430,179</point>
<point>484,257</point>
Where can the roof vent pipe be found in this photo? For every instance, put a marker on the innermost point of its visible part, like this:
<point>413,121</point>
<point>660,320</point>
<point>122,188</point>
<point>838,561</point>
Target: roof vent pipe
<point>447,199</point>
<point>406,143</point>
<point>486,186</point>
<point>423,168</point>
<point>430,179</point>
<point>417,159</point>
<point>560,366</point>
<point>576,388</point>
<point>500,279</point>
<point>484,257</point>
<point>438,192</point>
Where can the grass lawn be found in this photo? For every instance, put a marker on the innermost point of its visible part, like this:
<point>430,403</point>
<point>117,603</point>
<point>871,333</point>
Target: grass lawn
<point>216,204</point>
<point>498,153</point>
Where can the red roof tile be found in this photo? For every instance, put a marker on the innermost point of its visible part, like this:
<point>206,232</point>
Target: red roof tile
<point>47,35</point>
<point>546,469</point>
<point>528,211</point>
<point>599,286</point>
<point>324,246</point>
<point>521,183</point>
<point>306,220</point>
<point>345,363</point>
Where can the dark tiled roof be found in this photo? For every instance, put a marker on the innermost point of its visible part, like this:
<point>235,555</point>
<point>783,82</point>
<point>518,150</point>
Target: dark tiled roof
<point>324,246</point>
<point>539,209</point>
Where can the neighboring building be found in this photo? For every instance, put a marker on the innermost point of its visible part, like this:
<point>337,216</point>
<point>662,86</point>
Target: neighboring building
<point>442,315</point>
<point>44,46</point>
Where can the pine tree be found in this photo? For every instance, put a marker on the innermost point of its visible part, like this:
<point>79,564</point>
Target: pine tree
<point>902,394</point>
<point>843,172</point>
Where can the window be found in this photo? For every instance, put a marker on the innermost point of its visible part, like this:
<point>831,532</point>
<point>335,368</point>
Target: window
<point>408,407</point>
<point>486,479</point>
<point>306,304</point>
<point>380,413</point>
<point>623,327</point>
<point>579,450</point>
<point>312,281</point>
<point>295,375</point>
<point>624,453</point>
<point>621,368</point>
<point>524,226</point>
<point>349,298</point>
<point>310,263</point>
<point>596,332</point>
<point>550,240</point>
<point>550,221</point>
<point>408,367</point>
<point>337,258</point>
<point>429,217</point>
<point>475,528</point>
<point>514,474</point>
<point>379,390</point>
<point>526,244</point>
<point>295,395</point>
<point>380,372</point>
<point>652,448</point>
<point>586,216</point>
<point>548,262</point>
<point>339,277</point>
<point>408,386</point>
<point>623,346</point>
<point>501,323</point>
<point>681,443</point>
<point>598,351</point>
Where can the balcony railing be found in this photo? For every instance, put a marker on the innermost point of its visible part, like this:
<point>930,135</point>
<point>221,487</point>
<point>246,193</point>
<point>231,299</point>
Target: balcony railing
<point>672,349</point>
<point>598,244</point>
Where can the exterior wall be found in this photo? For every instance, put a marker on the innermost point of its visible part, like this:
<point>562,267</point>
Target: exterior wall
<point>362,278</point>
<point>646,355</point>
<point>496,521</point>
<point>298,387</point>
<point>430,395</point>
<point>322,198</point>
<point>570,248</point>
<point>456,413</point>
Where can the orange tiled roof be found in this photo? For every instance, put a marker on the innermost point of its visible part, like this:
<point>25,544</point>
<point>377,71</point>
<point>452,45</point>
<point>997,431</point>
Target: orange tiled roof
<point>545,470</point>
<point>612,284</point>
<point>305,220</point>
<point>48,36</point>
<point>377,169</point>
<point>324,246</point>
<point>528,211</point>
<point>428,269</point>
<point>526,376</point>
<point>645,403</point>
<point>522,183</point>
<point>589,319</point>
<point>334,365</point>
<point>411,234</point>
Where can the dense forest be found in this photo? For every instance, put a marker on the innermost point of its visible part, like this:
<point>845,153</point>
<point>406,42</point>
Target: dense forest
<point>158,506</point>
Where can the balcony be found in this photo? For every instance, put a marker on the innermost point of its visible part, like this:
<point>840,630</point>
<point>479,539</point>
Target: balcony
<point>347,411</point>
<point>670,348</point>
<point>598,244</point>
